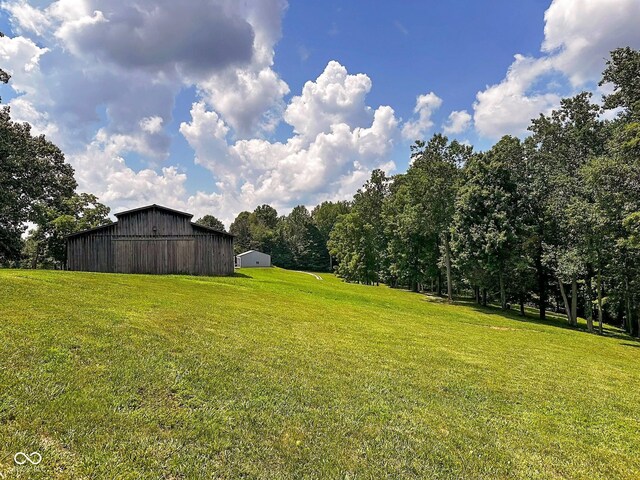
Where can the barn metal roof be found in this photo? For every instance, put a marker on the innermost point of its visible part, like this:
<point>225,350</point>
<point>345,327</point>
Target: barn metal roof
<point>88,230</point>
<point>149,207</point>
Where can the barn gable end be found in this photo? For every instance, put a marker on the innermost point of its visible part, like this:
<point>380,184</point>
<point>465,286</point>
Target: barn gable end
<point>154,240</point>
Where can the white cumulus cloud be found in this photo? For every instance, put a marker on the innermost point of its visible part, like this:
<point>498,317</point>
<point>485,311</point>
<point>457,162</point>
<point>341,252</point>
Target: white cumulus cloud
<point>426,105</point>
<point>578,36</point>
<point>458,122</point>
<point>338,140</point>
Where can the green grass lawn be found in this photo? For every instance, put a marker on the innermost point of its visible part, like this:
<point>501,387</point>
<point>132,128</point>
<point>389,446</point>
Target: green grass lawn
<point>274,374</point>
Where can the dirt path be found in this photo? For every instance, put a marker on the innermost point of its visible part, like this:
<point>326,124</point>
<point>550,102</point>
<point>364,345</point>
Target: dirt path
<point>318,277</point>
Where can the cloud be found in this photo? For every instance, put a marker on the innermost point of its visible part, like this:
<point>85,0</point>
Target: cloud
<point>338,140</point>
<point>20,57</point>
<point>133,58</point>
<point>458,122</point>
<point>160,35</point>
<point>151,124</point>
<point>425,106</point>
<point>109,103</point>
<point>206,133</point>
<point>101,78</point>
<point>508,107</point>
<point>401,28</point>
<point>101,170</point>
<point>26,18</point>
<point>334,97</point>
<point>579,34</point>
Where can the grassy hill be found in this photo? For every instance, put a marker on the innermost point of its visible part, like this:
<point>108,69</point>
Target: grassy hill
<point>274,374</point>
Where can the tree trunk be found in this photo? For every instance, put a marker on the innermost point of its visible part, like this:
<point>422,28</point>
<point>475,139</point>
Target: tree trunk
<point>627,303</point>
<point>439,283</point>
<point>503,293</point>
<point>34,259</point>
<point>566,302</point>
<point>484,297</point>
<point>542,286</point>
<point>447,259</point>
<point>574,301</point>
<point>599,287</point>
<point>589,304</point>
<point>522,312</point>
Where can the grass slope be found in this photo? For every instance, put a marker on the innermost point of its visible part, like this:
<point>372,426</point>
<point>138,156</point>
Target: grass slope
<point>275,374</point>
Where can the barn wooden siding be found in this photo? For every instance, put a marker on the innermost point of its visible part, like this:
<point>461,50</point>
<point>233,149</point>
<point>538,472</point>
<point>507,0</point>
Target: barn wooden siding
<point>153,240</point>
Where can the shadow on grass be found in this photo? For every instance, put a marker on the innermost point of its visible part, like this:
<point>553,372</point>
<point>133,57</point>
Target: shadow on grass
<point>552,319</point>
<point>241,275</point>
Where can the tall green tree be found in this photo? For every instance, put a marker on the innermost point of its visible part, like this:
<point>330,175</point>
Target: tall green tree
<point>440,162</point>
<point>487,227</point>
<point>357,240</point>
<point>560,146</point>
<point>212,222</point>
<point>325,216</point>
<point>240,227</point>
<point>412,242</point>
<point>303,241</point>
<point>34,179</point>
<point>352,243</point>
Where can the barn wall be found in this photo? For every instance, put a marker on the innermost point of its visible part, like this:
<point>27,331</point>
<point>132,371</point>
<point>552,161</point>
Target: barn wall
<point>132,246</point>
<point>166,223</point>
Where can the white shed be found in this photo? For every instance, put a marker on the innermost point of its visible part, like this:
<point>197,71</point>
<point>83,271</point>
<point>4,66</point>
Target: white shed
<point>253,258</point>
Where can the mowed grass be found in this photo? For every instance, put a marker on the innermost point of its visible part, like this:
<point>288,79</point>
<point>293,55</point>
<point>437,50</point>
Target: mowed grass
<point>274,374</point>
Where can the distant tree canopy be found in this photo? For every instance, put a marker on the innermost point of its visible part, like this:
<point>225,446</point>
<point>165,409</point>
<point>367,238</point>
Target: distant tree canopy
<point>293,241</point>
<point>211,222</point>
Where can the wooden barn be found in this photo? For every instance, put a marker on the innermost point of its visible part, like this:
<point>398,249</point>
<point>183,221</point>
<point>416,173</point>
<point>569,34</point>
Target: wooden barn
<point>153,239</point>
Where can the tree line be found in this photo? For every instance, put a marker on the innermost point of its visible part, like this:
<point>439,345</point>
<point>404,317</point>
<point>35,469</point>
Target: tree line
<point>551,221</point>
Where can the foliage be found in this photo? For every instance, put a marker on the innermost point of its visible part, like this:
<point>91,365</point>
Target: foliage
<point>551,219</point>
<point>45,245</point>
<point>357,240</point>
<point>34,180</point>
<point>488,223</point>
<point>302,241</point>
<point>325,216</point>
<point>212,222</point>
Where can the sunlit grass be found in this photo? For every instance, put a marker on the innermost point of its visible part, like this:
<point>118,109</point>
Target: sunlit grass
<point>274,374</point>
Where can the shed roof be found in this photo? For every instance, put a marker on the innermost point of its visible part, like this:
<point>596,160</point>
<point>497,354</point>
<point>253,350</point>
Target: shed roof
<point>251,251</point>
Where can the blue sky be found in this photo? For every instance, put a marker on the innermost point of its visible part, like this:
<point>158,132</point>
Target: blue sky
<point>287,103</point>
